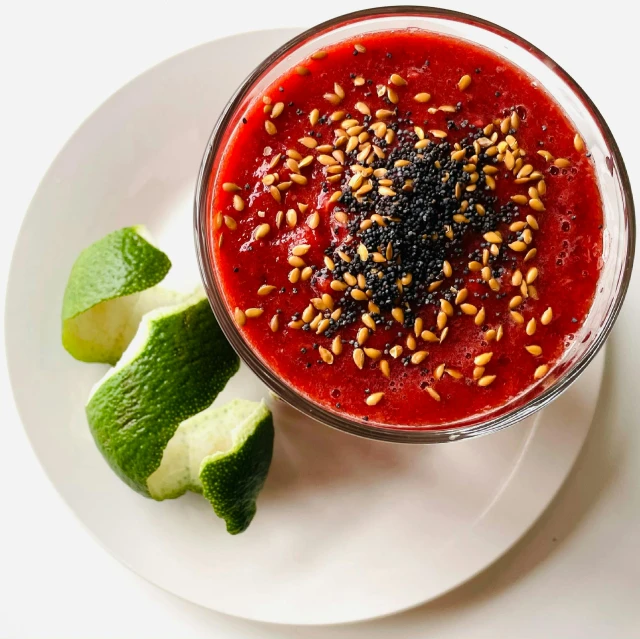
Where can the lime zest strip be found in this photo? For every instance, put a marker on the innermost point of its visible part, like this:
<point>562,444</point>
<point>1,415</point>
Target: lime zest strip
<point>224,453</point>
<point>175,366</point>
<point>112,284</point>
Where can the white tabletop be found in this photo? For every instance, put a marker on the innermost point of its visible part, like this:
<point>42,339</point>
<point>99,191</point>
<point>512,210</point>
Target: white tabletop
<point>576,574</point>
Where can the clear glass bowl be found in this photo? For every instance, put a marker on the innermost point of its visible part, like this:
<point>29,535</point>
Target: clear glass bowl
<point>619,231</point>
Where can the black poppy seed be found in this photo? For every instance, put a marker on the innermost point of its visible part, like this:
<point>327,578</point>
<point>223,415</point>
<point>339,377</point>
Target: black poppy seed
<point>244,120</point>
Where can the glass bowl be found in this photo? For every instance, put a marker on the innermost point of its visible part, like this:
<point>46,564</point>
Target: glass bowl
<point>619,231</point>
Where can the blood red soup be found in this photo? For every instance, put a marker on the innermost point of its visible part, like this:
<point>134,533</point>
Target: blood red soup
<point>407,229</point>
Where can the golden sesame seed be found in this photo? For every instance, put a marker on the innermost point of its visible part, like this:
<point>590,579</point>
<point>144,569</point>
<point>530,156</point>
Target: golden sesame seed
<point>262,231</point>
<point>230,223</point>
<point>396,351</point>
<point>372,353</point>
<point>461,296</point>
<point>483,359</point>
<point>254,312</point>
<point>541,371</point>
<point>358,357</point>
<point>532,275</point>
<point>517,317</point>
<point>578,143</point>
<point>534,350</point>
<point>275,193</point>
<point>326,355</point>
<point>239,316</point>
<point>516,278</point>
<point>397,80</point>
<point>480,317</point>
<point>418,357</point>
<point>411,342</point>
<point>374,398</point>
<point>562,163</point>
<point>310,143</point>
<point>518,246</point>
<point>238,203</point>
<point>384,367</point>
<point>478,372</point>
<point>530,254</point>
<point>445,305</point>
<point>468,309</point>
<point>486,380</point>
<point>308,314</point>
<point>536,205</point>
<point>422,97</point>
<point>464,82</point>
<point>493,236</point>
<point>429,336</point>
<point>358,295</point>
<point>336,345</point>
<point>323,326</point>
<point>265,289</point>
<point>319,55</point>
<point>515,301</point>
<point>547,316</point>
<point>525,171</point>
<point>294,275</point>
<point>277,110</point>
<point>300,249</point>
<point>363,253</point>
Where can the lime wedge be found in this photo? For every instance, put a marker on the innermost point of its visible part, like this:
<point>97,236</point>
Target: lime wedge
<point>111,286</point>
<point>174,367</point>
<point>224,453</point>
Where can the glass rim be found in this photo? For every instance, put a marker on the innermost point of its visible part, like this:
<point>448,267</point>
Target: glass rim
<point>287,392</point>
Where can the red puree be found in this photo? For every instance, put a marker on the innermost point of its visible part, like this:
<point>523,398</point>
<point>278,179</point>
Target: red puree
<point>559,191</point>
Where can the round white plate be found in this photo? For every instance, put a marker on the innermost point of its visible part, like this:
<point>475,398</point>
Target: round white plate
<point>347,529</point>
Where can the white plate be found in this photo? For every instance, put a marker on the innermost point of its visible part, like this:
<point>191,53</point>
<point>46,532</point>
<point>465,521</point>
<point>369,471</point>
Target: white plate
<point>347,529</point>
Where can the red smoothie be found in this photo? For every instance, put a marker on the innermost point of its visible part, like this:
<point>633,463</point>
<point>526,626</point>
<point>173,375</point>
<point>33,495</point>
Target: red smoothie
<point>408,230</point>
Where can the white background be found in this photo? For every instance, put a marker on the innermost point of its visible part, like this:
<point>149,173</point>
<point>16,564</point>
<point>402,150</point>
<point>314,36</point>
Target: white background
<point>575,575</point>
